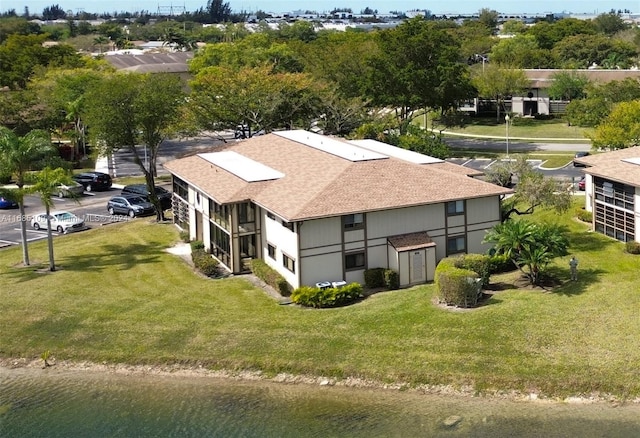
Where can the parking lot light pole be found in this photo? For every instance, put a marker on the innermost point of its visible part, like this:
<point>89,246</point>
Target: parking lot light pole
<point>507,119</point>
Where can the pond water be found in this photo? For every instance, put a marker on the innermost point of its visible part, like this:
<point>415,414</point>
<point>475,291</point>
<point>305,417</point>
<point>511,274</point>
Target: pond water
<point>38,403</point>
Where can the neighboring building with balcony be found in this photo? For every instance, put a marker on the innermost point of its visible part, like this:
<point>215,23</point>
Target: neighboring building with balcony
<point>612,188</point>
<point>318,208</point>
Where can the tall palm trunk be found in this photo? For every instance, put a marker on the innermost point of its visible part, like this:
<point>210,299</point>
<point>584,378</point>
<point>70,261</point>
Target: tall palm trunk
<point>23,234</point>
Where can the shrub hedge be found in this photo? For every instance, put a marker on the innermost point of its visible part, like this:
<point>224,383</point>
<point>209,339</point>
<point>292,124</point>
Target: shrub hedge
<point>453,286</point>
<point>330,297</point>
<point>270,276</point>
<point>478,263</point>
<point>203,262</point>
<point>584,215</point>
<point>196,244</point>
<point>391,279</point>
<point>500,263</point>
<point>633,247</point>
<point>374,277</point>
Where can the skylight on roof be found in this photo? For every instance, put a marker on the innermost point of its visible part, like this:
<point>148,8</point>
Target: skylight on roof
<point>396,152</point>
<point>241,166</point>
<point>634,160</point>
<point>331,146</point>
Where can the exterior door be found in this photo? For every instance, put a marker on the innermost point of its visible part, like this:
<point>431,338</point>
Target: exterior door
<point>417,267</point>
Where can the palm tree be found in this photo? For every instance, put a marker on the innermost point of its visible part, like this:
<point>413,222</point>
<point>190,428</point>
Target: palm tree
<point>19,155</point>
<point>46,184</point>
<point>528,245</point>
<point>100,41</point>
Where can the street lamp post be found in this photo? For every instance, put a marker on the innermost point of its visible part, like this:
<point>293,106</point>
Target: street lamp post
<point>507,119</point>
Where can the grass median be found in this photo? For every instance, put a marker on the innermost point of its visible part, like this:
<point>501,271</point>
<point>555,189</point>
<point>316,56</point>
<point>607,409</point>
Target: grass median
<point>119,297</point>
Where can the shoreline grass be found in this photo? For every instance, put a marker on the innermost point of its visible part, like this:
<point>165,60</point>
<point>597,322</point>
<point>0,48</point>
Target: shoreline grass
<point>126,300</point>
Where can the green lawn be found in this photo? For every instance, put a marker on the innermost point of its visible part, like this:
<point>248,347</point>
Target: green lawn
<point>120,298</point>
<point>524,128</point>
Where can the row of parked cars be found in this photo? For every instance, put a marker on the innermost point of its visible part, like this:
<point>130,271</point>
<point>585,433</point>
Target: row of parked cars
<point>132,201</point>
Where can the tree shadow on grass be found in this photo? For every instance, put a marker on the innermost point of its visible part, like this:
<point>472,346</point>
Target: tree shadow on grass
<point>589,242</point>
<point>121,256</point>
<point>114,256</point>
<point>586,277</point>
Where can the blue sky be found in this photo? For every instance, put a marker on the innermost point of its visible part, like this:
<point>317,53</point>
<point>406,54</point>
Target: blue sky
<point>437,7</point>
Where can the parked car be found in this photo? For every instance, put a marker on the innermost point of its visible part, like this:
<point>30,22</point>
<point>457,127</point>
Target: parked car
<point>7,203</point>
<point>579,155</point>
<point>72,190</point>
<point>130,205</point>
<point>141,190</point>
<point>61,221</point>
<point>93,180</point>
<point>581,184</point>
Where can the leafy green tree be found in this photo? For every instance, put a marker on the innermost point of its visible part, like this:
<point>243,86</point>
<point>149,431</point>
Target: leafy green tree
<point>474,38</point>
<point>496,82</point>
<point>340,58</point>
<point>488,18</point>
<point>424,142</point>
<point>300,30</point>
<point>255,98</point>
<point>62,93</point>
<point>20,56</point>
<point>609,24</point>
<point>252,51</point>
<point>521,51</point>
<point>581,51</point>
<point>18,156</point>
<point>621,129</point>
<point>514,27</point>
<point>600,100</point>
<point>530,246</point>
<point>45,183</point>
<point>340,115</point>
<point>533,191</point>
<point>219,11</point>
<point>18,26</point>
<point>417,67</point>
<point>135,112</point>
<point>587,112</point>
<point>549,34</point>
<point>568,85</point>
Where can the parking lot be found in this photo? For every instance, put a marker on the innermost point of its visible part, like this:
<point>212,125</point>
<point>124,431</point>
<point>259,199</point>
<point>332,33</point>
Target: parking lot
<point>90,206</point>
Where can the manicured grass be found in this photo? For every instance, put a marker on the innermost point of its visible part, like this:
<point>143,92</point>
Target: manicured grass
<point>524,128</point>
<point>119,297</point>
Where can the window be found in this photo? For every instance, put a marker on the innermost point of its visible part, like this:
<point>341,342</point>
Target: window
<point>219,214</point>
<point>271,250</point>
<point>455,208</point>
<point>456,244</point>
<point>180,188</point>
<point>353,221</point>
<point>288,225</point>
<point>288,263</point>
<point>354,260</point>
<point>220,244</point>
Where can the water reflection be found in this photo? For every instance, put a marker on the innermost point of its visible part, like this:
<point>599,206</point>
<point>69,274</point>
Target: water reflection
<point>36,403</point>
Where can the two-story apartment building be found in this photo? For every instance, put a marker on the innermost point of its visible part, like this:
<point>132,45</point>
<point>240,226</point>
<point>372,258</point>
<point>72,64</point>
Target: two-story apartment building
<point>612,188</point>
<point>318,208</point>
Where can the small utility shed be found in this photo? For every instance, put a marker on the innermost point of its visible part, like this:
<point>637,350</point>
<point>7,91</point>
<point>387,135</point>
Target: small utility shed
<point>413,256</point>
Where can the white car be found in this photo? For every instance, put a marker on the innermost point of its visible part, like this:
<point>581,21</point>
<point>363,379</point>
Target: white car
<point>61,221</point>
<point>72,190</point>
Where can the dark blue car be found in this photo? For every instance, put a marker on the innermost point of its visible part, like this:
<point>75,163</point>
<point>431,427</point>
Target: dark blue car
<point>7,203</point>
